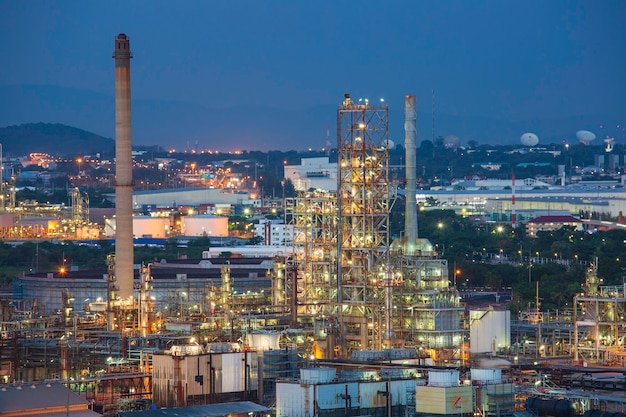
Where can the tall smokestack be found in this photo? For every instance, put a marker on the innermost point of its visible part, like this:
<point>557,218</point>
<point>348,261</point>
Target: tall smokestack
<point>410,212</point>
<point>123,170</point>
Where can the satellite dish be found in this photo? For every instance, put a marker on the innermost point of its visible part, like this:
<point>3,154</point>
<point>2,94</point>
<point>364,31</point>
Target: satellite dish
<point>451,142</point>
<point>585,137</point>
<point>529,139</point>
<point>390,144</point>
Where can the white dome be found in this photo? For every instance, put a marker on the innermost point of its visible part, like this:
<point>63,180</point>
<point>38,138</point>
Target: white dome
<point>529,139</point>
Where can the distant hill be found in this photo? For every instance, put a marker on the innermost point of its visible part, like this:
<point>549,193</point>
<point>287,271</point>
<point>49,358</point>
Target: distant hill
<point>55,139</point>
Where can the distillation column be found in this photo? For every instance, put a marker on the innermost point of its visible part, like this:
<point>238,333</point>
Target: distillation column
<point>124,273</point>
<point>363,217</point>
<point>410,132</point>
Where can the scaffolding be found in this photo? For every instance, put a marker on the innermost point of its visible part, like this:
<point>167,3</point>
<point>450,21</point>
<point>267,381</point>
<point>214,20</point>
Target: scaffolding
<point>341,240</point>
<point>278,365</point>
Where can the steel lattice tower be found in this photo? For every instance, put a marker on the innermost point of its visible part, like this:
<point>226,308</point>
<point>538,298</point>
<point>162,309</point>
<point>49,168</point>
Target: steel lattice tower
<point>363,218</point>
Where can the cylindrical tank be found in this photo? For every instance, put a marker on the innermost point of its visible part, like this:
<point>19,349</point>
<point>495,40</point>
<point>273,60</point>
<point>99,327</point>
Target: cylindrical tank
<point>487,375</point>
<point>317,375</point>
<point>263,341</point>
<point>443,378</point>
<point>489,330</point>
<point>148,226</point>
<point>553,408</point>
<point>205,225</point>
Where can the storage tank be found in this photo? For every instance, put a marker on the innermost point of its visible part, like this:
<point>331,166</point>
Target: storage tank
<point>42,224</point>
<point>204,225</point>
<point>443,378</point>
<point>143,226</point>
<point>554,408</point>
<point>263,340</point>
<point>148,226</point>
<point>490,330</point>
<point>486,375</point>
<point>317,375</point>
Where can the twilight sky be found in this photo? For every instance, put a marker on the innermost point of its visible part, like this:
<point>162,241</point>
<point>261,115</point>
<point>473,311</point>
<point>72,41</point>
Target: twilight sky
<point>221,71</point>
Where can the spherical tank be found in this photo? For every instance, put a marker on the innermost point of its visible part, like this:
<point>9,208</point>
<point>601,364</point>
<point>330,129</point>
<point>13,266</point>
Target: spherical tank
<point>205,225</point>
<point>148,226</point>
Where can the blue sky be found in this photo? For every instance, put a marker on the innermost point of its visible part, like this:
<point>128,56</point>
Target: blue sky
<point>504,60</point>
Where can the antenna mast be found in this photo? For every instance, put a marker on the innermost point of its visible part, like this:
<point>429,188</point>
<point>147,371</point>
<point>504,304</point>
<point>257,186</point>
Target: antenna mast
<point>433,102</point>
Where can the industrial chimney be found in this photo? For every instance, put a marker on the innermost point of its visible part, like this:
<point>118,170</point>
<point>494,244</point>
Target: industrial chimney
<point>410,213</point>
<point>124,273</point>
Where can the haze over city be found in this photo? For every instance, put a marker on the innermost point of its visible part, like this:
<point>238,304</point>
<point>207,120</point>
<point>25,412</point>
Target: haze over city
<point>269,75</point>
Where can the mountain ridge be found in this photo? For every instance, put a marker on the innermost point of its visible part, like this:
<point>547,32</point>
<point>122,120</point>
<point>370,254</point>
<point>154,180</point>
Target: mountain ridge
<point>53,138</point>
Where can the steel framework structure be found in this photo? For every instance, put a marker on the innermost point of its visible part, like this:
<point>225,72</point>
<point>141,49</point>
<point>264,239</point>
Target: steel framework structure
<point>363,218</point>
<point>314,217</point>
<point>599,315</point>
<point>426,312</point>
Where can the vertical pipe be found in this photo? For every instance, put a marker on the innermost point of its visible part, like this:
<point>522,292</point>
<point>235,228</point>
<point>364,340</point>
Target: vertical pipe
<point>410,130</point>
<point>389,336</point>
<point>123,170</point>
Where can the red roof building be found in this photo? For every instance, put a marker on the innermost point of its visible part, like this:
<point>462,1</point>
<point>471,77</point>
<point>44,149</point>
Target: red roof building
<point>549,223</point>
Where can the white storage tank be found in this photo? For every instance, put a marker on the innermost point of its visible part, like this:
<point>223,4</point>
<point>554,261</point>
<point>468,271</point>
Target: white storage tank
<point>490,330</point>
<point>148,226</point>
<point>317,375</point>
<point>487,375</point>
<point>264,340</point>
<point>143,226</point>
<point>204,225</point>
<point>443,378</point>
